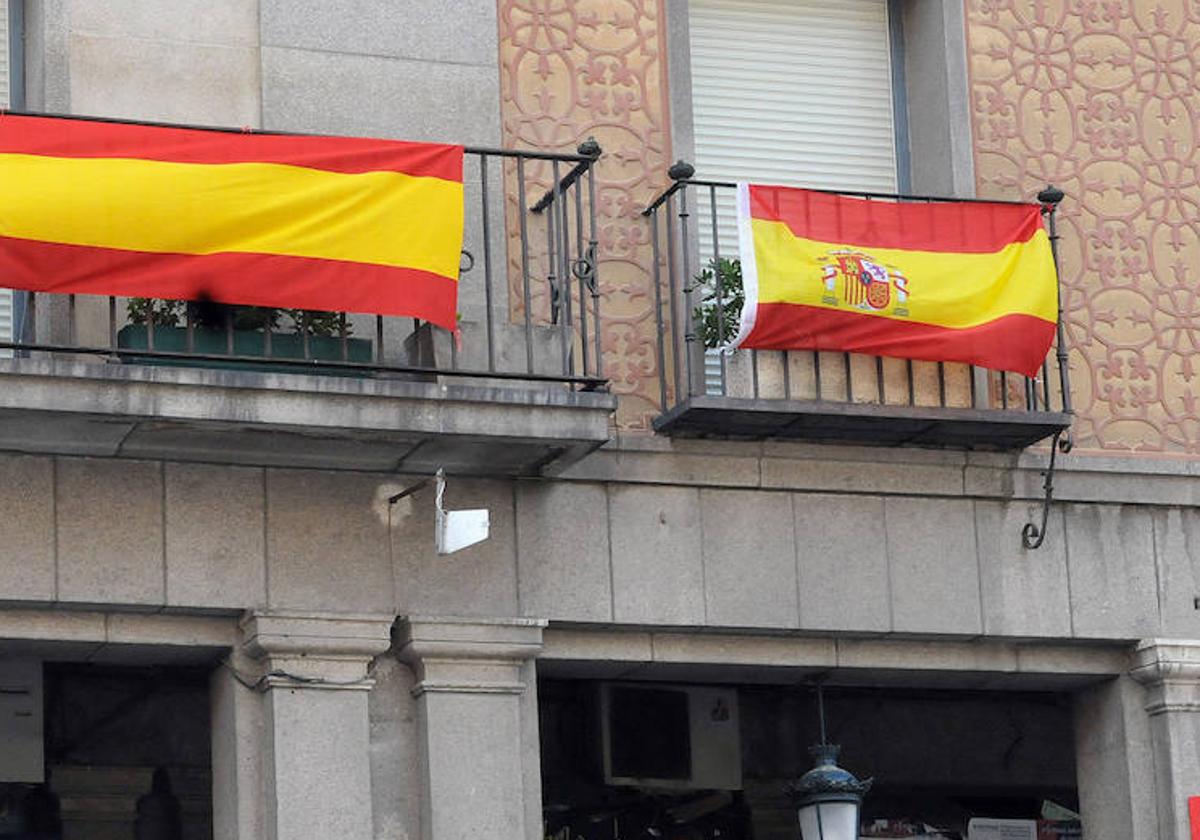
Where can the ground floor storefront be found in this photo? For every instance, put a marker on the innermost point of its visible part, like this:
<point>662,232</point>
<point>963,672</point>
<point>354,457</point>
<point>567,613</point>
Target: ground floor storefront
<point>299,725</point>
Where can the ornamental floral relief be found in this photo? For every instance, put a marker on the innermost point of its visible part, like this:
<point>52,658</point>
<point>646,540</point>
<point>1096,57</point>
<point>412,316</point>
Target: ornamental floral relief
<point>1100,98</point>
<point>573,69</point>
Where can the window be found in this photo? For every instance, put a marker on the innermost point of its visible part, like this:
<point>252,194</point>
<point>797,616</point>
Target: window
<point>794,92</point>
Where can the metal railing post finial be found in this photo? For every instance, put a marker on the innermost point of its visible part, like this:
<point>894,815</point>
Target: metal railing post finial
<point>681,170</point>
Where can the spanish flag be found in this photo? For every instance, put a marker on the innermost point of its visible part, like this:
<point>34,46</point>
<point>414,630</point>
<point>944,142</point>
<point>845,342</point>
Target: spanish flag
<point>941,281</point>
<point>327,223</point>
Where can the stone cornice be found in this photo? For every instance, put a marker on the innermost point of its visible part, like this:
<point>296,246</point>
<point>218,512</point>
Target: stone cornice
<point>1170,670</point>
<point>467,655</point>
<point>315,634</point>
<point>314,650</point>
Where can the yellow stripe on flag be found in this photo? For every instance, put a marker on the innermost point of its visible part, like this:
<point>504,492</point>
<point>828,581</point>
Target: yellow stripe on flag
<point>381,217</point>
<point>948,289</point>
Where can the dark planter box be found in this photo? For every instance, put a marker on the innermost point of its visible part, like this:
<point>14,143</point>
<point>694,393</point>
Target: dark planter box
<point>284,345</point>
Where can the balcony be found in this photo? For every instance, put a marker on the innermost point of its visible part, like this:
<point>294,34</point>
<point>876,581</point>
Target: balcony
<point>522,393</point>
<point>809,395</point>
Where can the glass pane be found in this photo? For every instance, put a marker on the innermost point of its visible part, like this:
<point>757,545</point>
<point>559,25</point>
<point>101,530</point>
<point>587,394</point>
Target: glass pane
<point>838,821</point>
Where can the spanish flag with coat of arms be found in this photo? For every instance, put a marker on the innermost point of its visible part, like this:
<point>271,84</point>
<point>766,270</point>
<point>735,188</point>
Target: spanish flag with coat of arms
<point>289,221</point>
<point>943,281</point>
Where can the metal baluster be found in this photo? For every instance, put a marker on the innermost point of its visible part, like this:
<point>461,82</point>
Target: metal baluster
<point>912,383</point>
<point>690,333</point>
<point>1004,389</point>
<point>680,172</point>
<point>150,318</point>
<point>112,321</point>
<point>658,314</point>
<point>787,376</point>
<point>583,280</point>
<point>849,378</point>
<point>754,371</point>
<point>31,329</point>
<point>269,336</point>
<point>673,295</point>
<point>229,330</point>
<point>1046,384</point>
<point>1050,198</point>
<point>879,379</point>
<point>553,259</point>
<point>344,335</point>
<point>521,211</point>
<point>816,357</point>
<point>487,266</point>
<point>379,339</point>
<point>719,281</point>
<point>941,369</point>
<point>564,254</point>
<point>593,255</point>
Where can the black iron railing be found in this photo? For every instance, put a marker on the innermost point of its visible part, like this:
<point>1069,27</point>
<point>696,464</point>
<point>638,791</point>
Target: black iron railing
<point>528,296</point>
<point>691,228</point>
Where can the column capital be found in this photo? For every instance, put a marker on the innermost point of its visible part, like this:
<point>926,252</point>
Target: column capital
<point>1170,670</point>
<point>314,650</point>
<point>468,655</point>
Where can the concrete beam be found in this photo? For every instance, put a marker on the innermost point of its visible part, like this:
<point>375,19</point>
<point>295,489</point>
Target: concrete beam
<point>123,638</point>
<point>788,658</point>
<point>58,406</point>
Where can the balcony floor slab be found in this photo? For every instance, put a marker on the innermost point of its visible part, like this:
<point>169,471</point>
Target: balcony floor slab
<point>859,423</point>
<point>64,406</point>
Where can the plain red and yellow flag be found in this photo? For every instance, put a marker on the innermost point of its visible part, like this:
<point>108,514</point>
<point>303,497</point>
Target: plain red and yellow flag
<point>941,281</point>
<point>328,223</point>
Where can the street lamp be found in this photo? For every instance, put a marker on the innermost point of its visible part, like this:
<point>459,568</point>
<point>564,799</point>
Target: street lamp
<point>830,798</point>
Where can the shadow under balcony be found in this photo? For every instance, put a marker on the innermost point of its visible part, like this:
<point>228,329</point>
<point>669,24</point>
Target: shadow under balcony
<point>521,393</point>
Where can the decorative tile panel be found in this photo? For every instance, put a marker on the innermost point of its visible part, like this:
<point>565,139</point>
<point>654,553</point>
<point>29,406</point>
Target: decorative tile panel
<point>573,69</point>
<point>1100,98</point>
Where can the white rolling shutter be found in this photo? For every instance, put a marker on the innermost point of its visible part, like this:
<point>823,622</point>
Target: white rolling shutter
<point>6,296</point>
<point>793,92</point>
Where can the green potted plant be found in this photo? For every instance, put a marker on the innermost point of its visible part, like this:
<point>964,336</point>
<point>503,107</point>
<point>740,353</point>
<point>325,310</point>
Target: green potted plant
<point>718,325</point>
<point>251,325</point>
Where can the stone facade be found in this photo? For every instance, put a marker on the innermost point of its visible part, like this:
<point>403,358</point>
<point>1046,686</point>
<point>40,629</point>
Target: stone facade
<point>362,686</point>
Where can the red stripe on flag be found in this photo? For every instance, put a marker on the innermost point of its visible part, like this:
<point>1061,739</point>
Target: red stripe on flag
<point>95,139</point>
<point>965,227</point>
<point>1194,815</point>
<point>1015,342</point>
<point>251,279</point>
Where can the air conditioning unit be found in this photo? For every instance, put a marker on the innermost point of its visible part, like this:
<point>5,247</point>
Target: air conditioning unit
<point>667,736</point>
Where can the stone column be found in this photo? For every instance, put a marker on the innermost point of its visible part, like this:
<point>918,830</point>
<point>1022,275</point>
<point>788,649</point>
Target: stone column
<point>1170,670</point>
<point>477,718</point>
<point>1113,762</point>
<point>290,737</point>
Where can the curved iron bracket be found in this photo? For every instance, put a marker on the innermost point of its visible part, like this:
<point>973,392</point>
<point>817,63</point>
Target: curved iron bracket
<point>466,261</point>
<point>1032,536</point>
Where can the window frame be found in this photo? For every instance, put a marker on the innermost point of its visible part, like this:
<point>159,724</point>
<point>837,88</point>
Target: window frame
<point>934,154</point>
